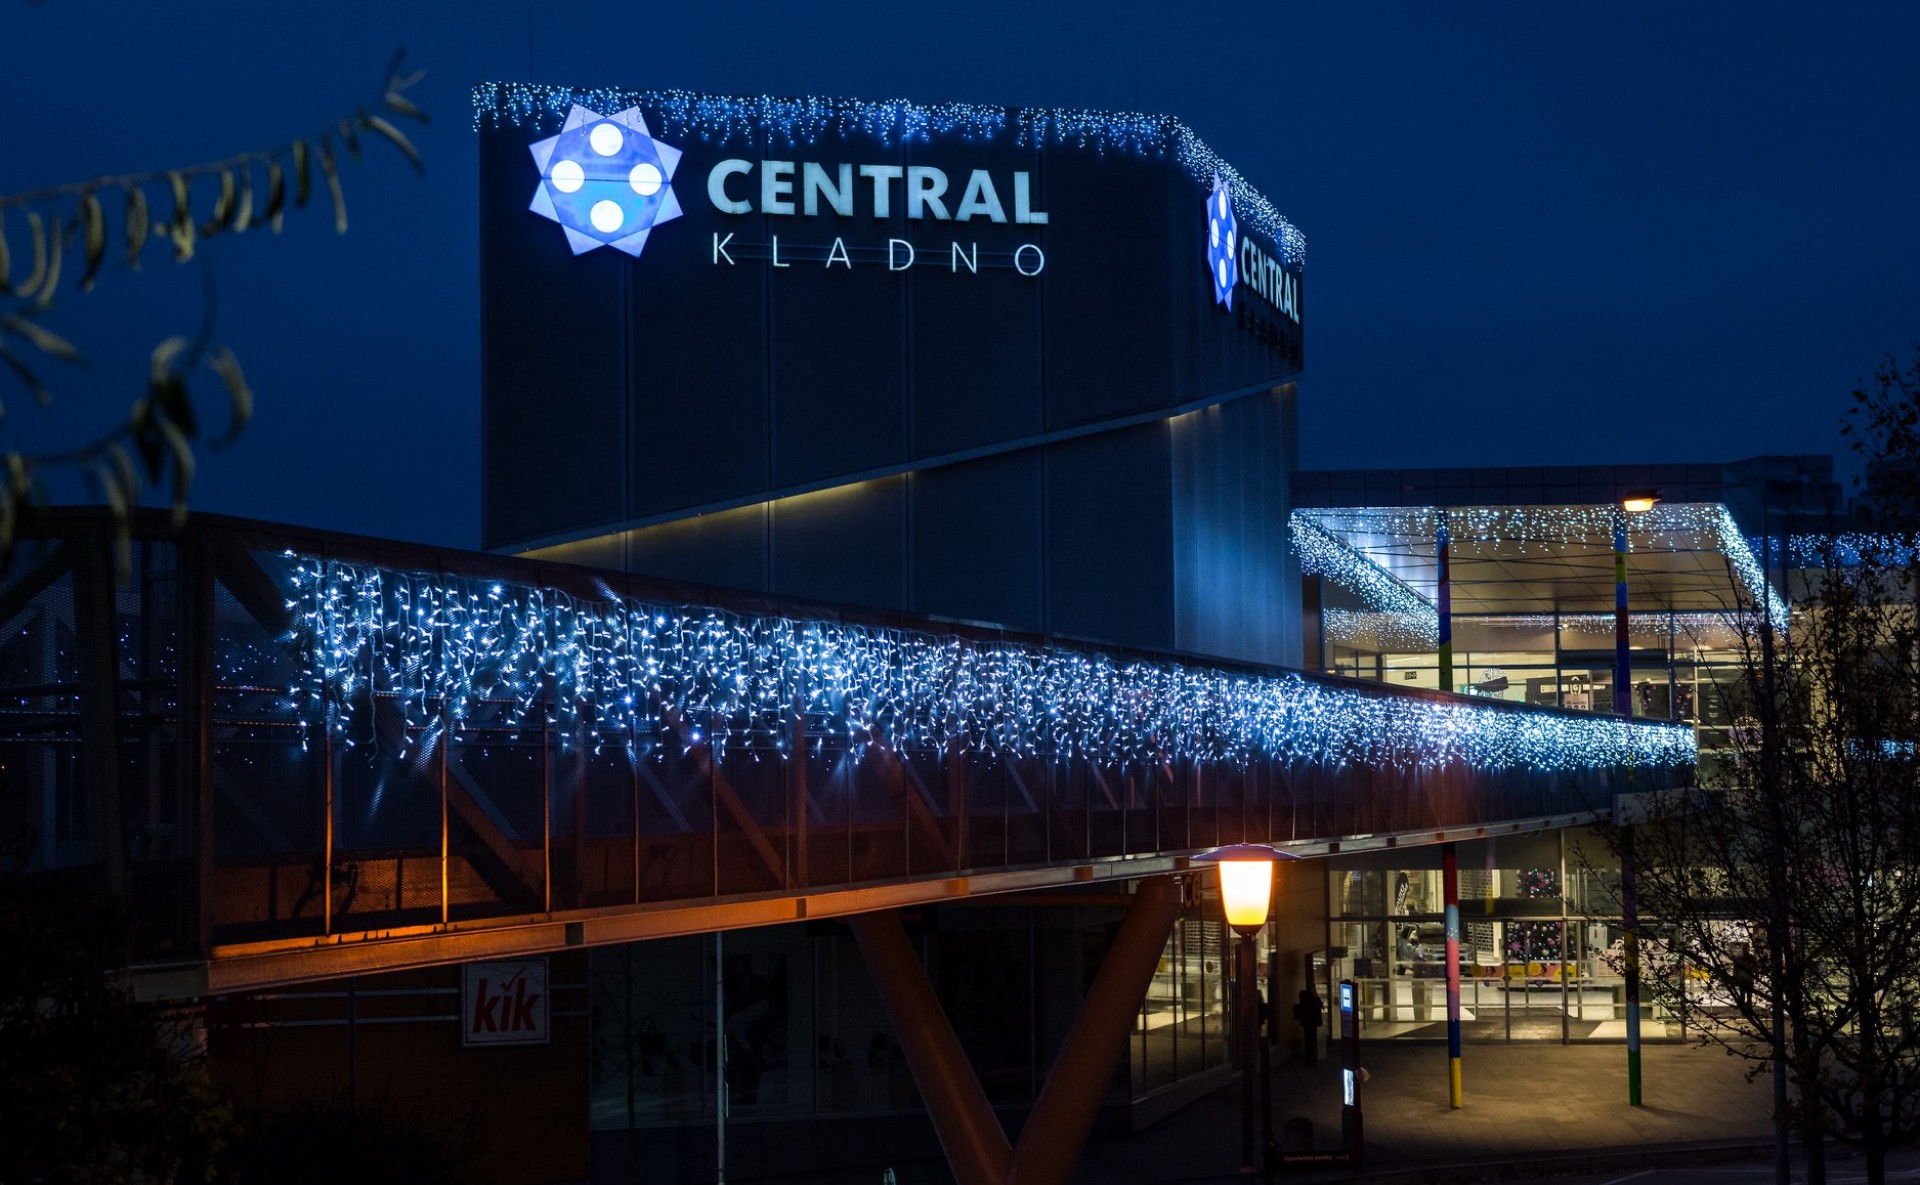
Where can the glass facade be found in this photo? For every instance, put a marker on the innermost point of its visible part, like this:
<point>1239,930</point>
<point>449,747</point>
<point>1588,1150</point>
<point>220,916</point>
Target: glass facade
<point>1542,955</point>
<point>1686,666</point>
<point>1183,1027</point>
<point>807,1034</point>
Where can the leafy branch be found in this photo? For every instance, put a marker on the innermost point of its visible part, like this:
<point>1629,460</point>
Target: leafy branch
<point>153,446</point>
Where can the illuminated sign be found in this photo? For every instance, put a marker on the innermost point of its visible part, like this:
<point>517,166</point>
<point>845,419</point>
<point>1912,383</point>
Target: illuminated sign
<point>1234,259</point>
<point>1223,234</point>
<point>1346,1087</point>
<point>932,275</point>
<point>808,188</point>
<point>606,180</point>
<point>1270,278</point>
<point>504,1003</point>
<point>1346,997</point>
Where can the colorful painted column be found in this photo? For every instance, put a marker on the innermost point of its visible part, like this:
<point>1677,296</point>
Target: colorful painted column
<point>1622,656</point>
<point>1450,889</point>
<point>1445,599</point>
<point>1630,921</point>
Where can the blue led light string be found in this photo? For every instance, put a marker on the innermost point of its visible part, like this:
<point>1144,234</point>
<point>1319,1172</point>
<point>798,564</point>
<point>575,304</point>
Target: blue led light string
<point>1535,530</point>
<point>793,123</point>
<point>1407,614</point>
<point>1396,631</point>
<point>1733,544</point>
<point>415,641</point>
<point>1849,549</point>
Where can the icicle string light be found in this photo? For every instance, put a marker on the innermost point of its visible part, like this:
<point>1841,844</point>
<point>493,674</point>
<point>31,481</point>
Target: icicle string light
<point>1364,531</point>
<point>1850,549</point>
<point>421,643</point>
<point>1392,631</point>
<point>1385,631</point>
<point>1413,618</point>
<point>803,122</point>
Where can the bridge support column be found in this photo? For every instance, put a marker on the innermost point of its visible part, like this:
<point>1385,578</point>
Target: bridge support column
<point>970,1133</point>
<point>976,1145</point>
<point>1062,1116</point>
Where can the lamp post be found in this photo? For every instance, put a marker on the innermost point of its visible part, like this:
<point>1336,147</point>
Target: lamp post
<point>1633,503</point>
<point>1246,896</point>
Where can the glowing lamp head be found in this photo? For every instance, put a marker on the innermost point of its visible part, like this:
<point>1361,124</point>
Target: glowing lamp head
<point>1638,503</point>
<point>1246,882</point>
<point>1246,891</point>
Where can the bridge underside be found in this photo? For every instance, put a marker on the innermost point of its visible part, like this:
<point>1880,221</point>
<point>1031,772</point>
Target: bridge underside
<point>281,800</point>
<point>249,966</point>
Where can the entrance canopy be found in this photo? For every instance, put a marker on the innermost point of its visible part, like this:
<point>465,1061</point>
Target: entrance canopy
<point>1531,560</point>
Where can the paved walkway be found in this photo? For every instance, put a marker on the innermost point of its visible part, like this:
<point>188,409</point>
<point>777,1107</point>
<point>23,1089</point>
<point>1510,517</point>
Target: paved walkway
<point>1531,1104</point>
<point>1532,1111</point>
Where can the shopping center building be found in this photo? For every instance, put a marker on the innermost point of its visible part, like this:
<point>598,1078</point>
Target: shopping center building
<point>900,568</point>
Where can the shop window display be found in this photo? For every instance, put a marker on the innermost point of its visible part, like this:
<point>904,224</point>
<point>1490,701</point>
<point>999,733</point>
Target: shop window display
<point>1183,1024</point>
<point>1531,967</point>
<point>807,1034</point>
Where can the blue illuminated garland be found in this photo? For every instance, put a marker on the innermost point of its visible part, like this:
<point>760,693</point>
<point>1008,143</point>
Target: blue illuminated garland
<point>792,123</point>
<point>1412,616</point>
<point>1394,631</point>
<point>1525,530</point>
<point>1383,631</point>
<point>423,644</point>
<point>1849,550</point>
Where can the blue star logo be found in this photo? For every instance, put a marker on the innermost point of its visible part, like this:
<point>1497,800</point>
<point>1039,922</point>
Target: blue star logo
<point>605,180</point>
<point>1223,244</point>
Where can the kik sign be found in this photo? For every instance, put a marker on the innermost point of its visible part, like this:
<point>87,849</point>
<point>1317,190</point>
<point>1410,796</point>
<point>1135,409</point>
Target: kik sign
<point>505,1003</point>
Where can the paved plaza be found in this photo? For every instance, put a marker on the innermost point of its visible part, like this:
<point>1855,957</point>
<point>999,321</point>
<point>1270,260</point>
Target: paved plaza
<point>1550,1107</point>
<point>1533,1111</point>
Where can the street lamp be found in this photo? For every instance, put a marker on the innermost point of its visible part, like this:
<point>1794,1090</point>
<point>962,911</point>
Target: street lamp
<point>1246,895</point>
<point>1635,502</point>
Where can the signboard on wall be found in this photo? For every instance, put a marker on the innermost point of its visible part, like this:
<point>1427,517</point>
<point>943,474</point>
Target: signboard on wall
<point>731,281</point>
<point>505,1003</point>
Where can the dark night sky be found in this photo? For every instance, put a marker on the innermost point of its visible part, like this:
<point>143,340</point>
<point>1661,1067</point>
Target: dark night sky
<point>1637,232</point>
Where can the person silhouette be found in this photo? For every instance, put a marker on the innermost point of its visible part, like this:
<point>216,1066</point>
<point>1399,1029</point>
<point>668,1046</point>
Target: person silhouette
<point>1309,1011</point>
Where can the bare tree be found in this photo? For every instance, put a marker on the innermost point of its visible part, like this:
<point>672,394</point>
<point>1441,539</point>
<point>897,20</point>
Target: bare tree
<point>1788,894</point>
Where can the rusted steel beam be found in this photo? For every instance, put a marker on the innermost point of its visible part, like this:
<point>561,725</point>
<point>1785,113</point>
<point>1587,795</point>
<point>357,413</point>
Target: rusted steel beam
<point>1062,1116</point>
<point>970,1133</point>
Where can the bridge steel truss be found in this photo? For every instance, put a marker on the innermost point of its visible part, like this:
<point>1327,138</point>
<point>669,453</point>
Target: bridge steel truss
<point>156,713</point>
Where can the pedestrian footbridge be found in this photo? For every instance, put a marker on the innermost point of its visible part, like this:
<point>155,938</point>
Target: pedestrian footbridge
<point>300,755</point>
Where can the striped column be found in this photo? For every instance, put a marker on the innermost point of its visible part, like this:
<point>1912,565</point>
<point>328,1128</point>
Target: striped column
<point>1450,888</point>
<point>1445,599</point>
<point>1622,656</point>
<point>1630,922</point>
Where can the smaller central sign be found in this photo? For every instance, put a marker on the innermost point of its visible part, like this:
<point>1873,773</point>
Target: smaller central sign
<point>504,1003</point>
<point>1223,238</point>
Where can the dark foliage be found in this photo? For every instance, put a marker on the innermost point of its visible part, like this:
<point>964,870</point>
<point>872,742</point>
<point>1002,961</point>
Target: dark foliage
<point>94,1086</point>
<point>376,1144</point>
